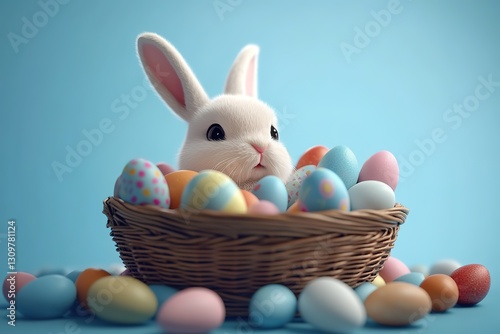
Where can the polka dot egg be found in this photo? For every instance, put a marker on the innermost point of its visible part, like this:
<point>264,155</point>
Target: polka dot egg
<point>142,183</point>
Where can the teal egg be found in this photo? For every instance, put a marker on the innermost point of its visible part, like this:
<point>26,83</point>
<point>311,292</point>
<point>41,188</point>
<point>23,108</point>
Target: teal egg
<point>364,290</point>
<point>271,188</point>
<point>414,278</point>
<point>323,190</point>
<point>272,306</point>
<point>46,297</point>
<point>343,162</point>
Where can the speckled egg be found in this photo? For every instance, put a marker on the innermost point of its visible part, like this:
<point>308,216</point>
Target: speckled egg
<point>271,188</point>
<point>473,281</point>
<point>383,167</point>
<point>374,195</point>
<point>142,183</point>
<point>213,190</point>
<point>323,190</point>
<point>343,162</point>
<point>295,182</point>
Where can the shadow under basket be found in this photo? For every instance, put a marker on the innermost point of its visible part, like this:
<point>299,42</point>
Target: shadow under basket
<point>236,254</point>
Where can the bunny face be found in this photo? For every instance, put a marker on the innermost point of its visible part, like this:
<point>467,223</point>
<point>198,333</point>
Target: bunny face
<point>234,133</point>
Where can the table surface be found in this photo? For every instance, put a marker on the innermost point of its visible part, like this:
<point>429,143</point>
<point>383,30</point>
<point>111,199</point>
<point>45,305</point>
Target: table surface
<point>479,319</point>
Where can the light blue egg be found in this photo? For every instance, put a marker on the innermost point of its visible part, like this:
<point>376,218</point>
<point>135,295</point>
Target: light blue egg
<point>272,306</point>
<point>271,188</point>
<point>364,290</point>
<point>295,181</point>
<point>323,190</point>
<point>162,293</point>
<point>73,275</point>
<point>343,162</point>
<point>46,297</point>
<point>51,271</point>
<point>414,278</point>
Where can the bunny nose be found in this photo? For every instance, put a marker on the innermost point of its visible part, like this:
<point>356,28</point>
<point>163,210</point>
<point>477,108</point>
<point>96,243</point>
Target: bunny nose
<point>258,148</point>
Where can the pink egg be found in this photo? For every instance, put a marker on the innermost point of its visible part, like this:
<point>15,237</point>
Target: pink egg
<point>192,310</point>
<point>392,269</point>
<point>165,168</point>
<point>264,207</point>
<point>15,283</point>
<point>383,167</point>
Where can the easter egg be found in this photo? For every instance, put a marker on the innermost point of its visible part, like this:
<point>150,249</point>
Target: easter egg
<point>13,283</point>
<point>176,182</point>
<point>374,195</point>
<point>122,300</point>
<point>398,304</point>
<point>264,207</point>
<point>343,162</point>
<point>162,292</point>
<point>364,290</point>
<point>392,269</point>
<point>192,310</point>
<point>331,306</point>
<point>473,281</point>
<point>143,183</point>
<point>444,266</point>
<point>116,269</point>
<point>295,182</point>
<point>85,280</point>
<point>420,268</point>
<point>312,156</point>
<point>116,189</point>
<point>323,190</point>
<point>51,270</point>
<point>73,275</point>
<point>378,281</point>
<point>271,188</point>
<point>47,297</point>
<point>383,167</point>
<point>442,290</point>
<point>165,168</point>
<point>284,306</point>
<point>411,277</point>
<point>213,190</point>
<point>295,208</point>
<point>249,197</point>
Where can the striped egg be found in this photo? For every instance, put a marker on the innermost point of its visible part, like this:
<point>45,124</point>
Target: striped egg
<point>213,190</point>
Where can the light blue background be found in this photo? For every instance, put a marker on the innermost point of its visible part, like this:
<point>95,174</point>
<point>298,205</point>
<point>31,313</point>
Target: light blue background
<point>395,92</point>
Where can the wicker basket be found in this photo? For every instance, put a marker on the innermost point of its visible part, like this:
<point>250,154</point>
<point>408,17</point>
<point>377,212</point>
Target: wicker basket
<point>235,255</point>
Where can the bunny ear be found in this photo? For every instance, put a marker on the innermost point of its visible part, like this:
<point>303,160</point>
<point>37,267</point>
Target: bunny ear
<point>170,75</point>
<point>242,78</point>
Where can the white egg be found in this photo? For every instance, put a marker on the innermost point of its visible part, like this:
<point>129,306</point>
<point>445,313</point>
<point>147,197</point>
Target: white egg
<point>445,266</point>
<point>331,306</point>
<point>371,194</point>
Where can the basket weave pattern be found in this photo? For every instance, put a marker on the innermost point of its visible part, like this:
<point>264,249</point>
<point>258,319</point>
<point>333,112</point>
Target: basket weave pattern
<point>235,255</point>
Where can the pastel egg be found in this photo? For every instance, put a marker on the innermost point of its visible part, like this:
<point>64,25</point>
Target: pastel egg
<point>445,266</point>
<point>398,304</point>
<point>176,182</point>
<point>312,156</point>
<point>378,281</point>
<point>73,275</point>
<point>420,268</point>
<point>383,167</point>
<point>116,189</point>
<point>323,190</point>
<point>343,162</point>
<point>249,197</point>
<point>473,281</point>
<point>364,290</point>
<point>295,182</point>
<point>284,306</point>
<point>165,168</point>
<point>442,290</point>
<point>294,208</point>
<point>85,280</point>
<point>392,269</point>
<point>264,207</point>
<point>162,292</point>
<point>116,269</point>
<point>192,310</point>
<point>411,277</point>
<point>374,195</point>
<point>13,283</point>
<point>271,188</point>
<point>213,190</point>
<point>142,183</point>
<point>47,297</point>
<point>122,300</point>
<point>331,306</point>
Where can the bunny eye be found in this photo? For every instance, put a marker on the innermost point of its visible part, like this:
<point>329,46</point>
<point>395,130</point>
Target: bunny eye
<point>215,132</point>
<point>274,133</point>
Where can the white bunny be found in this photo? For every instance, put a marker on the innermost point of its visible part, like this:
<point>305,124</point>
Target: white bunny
<point>234,133</point>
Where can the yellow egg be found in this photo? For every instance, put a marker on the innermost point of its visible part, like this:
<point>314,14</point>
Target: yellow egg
<point>122,300</point>
<point>378,281</point>
<point>176,182</point>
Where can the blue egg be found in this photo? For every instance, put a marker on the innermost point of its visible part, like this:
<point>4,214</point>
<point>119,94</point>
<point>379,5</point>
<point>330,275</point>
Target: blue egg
<point>46,297</point>
<point>162,293</point>
<point>414,278</point>
<point>73,275</point>
<point>364,290</point>
<point>272,306</point>
<point>271,188</point>
<point>343,162</point>
<point>51,271</point>
<point>323,190</point>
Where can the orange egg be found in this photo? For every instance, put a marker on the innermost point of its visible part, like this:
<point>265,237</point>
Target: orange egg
<point>85,280</point>
<point>177,181</point>
<point>250,198</point>
<point>312,156</point>
<point>294,208</point>
<point>443,291</point>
